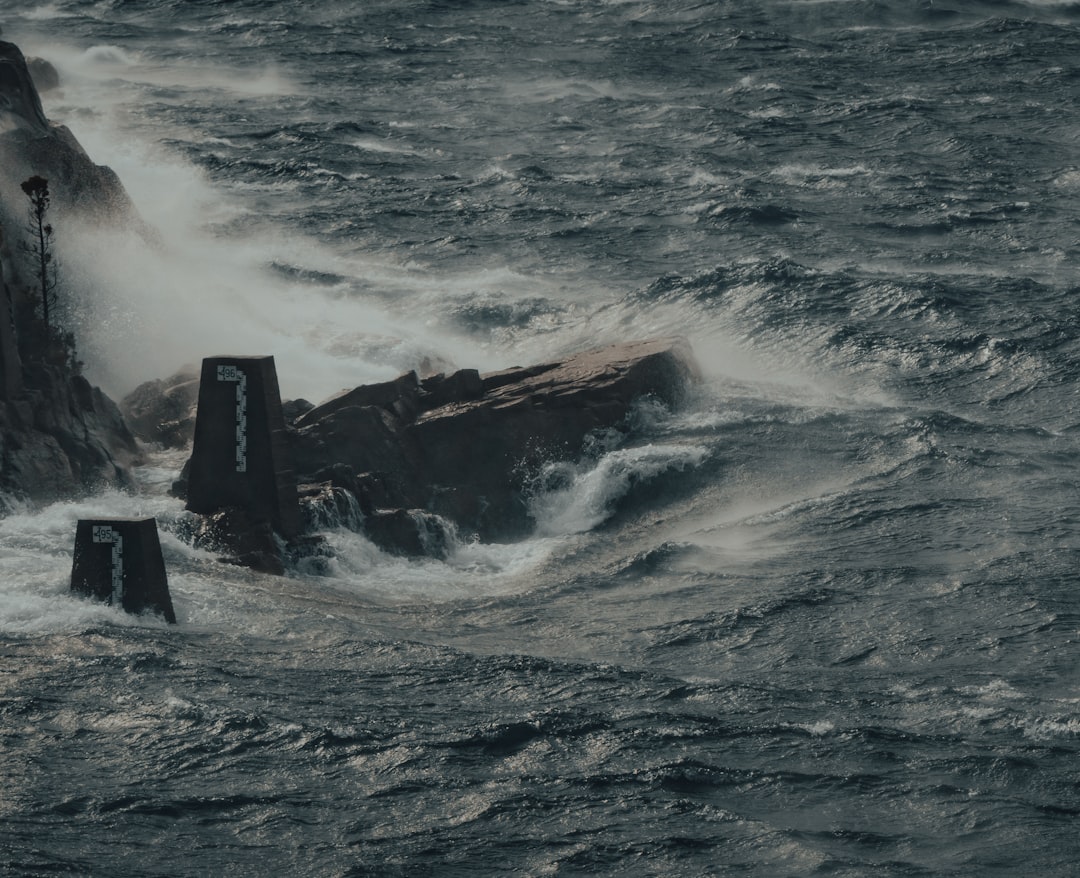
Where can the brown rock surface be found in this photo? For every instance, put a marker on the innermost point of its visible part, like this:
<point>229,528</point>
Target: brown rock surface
<point>465,448</point>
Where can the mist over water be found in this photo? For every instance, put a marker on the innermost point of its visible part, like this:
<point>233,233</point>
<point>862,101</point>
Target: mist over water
<point>823,619</point>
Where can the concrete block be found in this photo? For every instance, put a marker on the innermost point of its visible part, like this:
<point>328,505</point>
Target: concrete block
<point>241,457</point>
<point>119,561</point>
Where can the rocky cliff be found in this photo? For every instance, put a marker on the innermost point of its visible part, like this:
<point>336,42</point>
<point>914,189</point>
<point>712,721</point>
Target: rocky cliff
<point>58,434</point>
<point>32,145</point>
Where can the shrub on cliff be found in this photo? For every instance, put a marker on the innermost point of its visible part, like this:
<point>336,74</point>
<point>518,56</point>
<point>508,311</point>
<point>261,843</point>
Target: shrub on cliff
<point>56,345</point>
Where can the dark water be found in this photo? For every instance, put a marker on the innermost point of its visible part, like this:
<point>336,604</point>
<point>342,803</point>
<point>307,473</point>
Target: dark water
<point>822,621</point>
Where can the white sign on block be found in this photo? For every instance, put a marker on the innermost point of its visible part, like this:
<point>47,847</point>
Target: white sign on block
<point>235,374</point>
<point>105,534</point>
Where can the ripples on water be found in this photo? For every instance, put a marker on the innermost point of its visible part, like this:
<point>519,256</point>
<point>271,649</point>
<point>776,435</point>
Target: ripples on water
<point>822,621</point>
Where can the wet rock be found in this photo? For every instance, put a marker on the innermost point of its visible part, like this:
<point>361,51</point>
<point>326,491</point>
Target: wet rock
<point>10,361</point>
<point>292,409</point>
<point>62,437</point>
<point>410,463</point>
<point>461,386</point>
<point>366,439</point>
<point>326,506</point>
<point>59,436</point>
<point>43,74</point>
<point>31,145</point>
<point>399,397</point>
<point>464,448</point>
<point>163,411</point>
<point>244,540</point>
<point>409,532</point>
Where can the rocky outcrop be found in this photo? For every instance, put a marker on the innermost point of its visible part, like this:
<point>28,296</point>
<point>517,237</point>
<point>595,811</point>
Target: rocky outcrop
<point>411,463</point>
<point>31,145</point>
<point>59,436</point>
<point>466,446</point>
<point>162,411</point>
<point>10,361</point>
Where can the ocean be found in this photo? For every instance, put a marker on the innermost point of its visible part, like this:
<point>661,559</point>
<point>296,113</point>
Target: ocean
<point>821,620</point>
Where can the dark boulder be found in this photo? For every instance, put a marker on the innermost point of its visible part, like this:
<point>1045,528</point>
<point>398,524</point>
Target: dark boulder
<point>62,436</point>
<point>400,397</point>
<point>243,539</point>
<point>410,532</point>
<point>43,74</point>
<point>326,506</point>
<point>292,409</point>
<point>462,386</point>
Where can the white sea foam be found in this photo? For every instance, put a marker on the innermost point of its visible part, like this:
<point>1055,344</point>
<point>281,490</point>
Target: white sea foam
<point>371,144</point>
<point>47,12</point>
<point>36,560</point>
<point>145,310</point>
<point>472,569</point>
<point>818,729</point>
<point>91,75</point>
<point>109,56</point>
<point>817,174</point>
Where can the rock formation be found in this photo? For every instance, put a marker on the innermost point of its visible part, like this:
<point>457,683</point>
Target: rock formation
<point>61,436</point>
<point>409,462</point>
<point>31,145</point>
<point>58,434</point>
<point>44,74</point>
<point>465,446</point>
<point>162,411</point>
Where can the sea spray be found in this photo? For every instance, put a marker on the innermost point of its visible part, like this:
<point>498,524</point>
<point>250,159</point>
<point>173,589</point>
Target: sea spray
<point>573,498</point>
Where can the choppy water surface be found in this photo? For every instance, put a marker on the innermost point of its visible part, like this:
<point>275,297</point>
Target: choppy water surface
<point>824,620</point>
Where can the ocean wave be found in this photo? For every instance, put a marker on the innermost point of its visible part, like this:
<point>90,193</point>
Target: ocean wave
<point>573,498</point>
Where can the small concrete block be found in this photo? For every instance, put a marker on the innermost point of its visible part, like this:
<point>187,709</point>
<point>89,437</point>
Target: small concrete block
<point>119,561</point>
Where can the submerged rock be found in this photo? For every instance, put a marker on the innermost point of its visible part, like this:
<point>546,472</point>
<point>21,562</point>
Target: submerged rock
<point>410,532</point>
<point>242,538</point>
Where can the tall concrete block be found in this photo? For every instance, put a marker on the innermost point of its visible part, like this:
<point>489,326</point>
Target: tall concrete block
<point>241,455</point>
<point>119,561</point>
